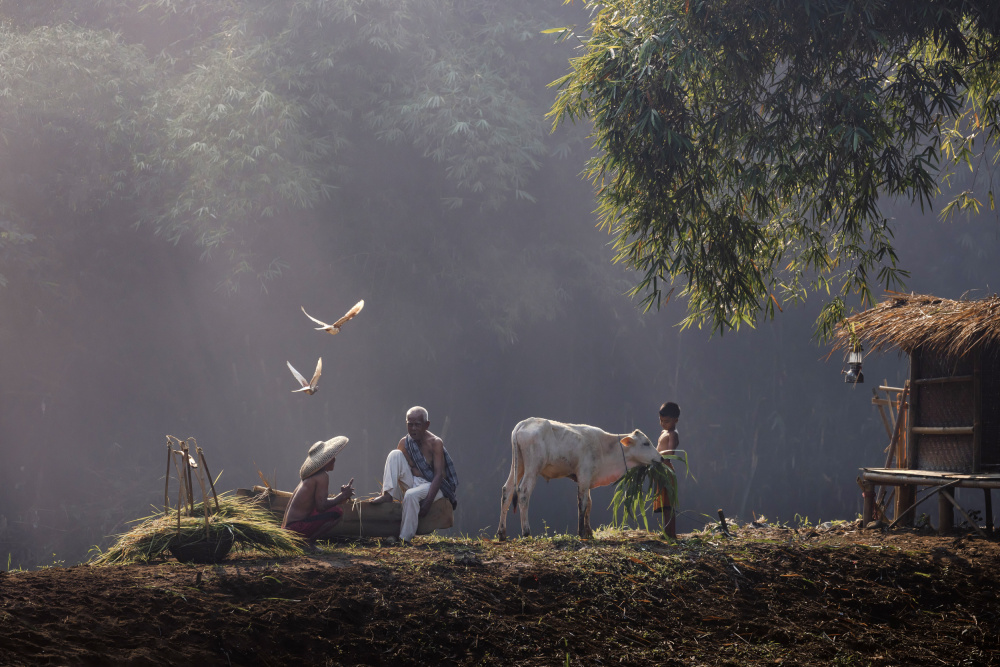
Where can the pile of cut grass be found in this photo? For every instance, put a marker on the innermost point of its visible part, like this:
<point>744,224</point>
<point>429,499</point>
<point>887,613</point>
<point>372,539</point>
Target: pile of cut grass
<point>635,491</point>
<point>254,529</point>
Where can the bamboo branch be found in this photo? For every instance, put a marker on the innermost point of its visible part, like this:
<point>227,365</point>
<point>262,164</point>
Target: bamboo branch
<point>936,489</point>
<point>201,455</point>
<point>967,517</point>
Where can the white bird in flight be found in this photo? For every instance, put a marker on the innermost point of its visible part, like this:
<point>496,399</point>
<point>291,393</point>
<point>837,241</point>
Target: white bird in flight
<point>312,386</point>
<point>334,329</point>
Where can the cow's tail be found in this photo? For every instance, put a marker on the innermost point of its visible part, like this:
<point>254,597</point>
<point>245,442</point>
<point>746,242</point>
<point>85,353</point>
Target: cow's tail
<point>515,454</point>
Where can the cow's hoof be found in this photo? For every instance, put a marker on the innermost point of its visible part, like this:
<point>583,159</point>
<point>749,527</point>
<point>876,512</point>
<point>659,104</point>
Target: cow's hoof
<point>501,536</point>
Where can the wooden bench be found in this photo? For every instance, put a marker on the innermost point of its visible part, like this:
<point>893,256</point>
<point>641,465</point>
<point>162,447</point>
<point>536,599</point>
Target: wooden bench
<point>361,518</point>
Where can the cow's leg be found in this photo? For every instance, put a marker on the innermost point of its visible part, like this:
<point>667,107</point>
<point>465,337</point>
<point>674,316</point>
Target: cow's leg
<point>509,491</point>
<point>506,495</point>
<point>524,489</point>
<point>583,511</point>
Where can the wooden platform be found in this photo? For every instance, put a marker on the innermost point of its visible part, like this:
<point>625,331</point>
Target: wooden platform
<point>896,477</point>
<point>361,518</point>
<point>945,483</point>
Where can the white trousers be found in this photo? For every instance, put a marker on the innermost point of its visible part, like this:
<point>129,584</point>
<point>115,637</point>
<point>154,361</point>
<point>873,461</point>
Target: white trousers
<point>399,481</point>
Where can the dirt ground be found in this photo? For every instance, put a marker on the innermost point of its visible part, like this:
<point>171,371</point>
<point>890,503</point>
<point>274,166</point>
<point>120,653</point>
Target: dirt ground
<point>829,595</point>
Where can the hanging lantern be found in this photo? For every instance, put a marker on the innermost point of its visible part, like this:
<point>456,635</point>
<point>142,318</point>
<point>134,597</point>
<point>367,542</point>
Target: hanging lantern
<point>853,374</point>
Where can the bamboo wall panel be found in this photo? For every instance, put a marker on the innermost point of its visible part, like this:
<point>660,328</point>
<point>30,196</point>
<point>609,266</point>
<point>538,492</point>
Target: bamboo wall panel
<point>951,404</point>
<point>945,453</point>
<point>989,381</point>
<point>933,366</point>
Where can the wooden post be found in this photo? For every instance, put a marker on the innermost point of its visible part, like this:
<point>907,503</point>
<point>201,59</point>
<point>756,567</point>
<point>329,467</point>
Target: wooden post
<point>988,511</point>
<point>908,492</point>
<point>946,515</point>
<point>977,412</point>
<point>869,504</point>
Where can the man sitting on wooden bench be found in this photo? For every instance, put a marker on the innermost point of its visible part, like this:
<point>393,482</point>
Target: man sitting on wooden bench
<point>417,472</point>
<point>310,511</point>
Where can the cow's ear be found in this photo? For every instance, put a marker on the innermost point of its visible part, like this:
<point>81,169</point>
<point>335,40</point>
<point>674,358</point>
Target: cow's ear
<point>628,441</point>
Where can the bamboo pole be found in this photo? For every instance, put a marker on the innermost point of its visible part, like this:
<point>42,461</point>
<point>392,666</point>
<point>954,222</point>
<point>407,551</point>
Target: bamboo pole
<point>966,516</point>
<point>204,499</point>
<point>936,489</point>
<point>201,455</point>
<point>187,477</point>
<point>891,405</point>
<point>946,516</point>
<point>881,411</point>
<point>901,438</point>
<point>943,430</point>
<point>180,481</point>
<point>907,492</point>
<point>893,441</point>
<point>945,380</point>
<point>166,480</point>
<point>180,500</point>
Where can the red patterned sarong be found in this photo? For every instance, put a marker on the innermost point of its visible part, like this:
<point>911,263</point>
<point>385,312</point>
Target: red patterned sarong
<point>316,522</point>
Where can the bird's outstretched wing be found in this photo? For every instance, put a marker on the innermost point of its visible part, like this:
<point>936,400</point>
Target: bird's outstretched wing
<point>322,324</point>
<point>298,375</point>
<point>349,315</point>
<point>315,379</point>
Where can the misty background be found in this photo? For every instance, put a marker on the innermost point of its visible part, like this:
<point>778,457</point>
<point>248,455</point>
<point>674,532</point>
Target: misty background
<point>152,282</point>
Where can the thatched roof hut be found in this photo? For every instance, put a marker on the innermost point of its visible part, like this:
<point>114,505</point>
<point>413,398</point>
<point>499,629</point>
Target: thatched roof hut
<point>952,398</point>
<point>953,417</point>
<point>908,322</point>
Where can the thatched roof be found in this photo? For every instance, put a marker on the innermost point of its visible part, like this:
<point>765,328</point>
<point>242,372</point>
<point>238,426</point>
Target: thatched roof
<point>910,321</point>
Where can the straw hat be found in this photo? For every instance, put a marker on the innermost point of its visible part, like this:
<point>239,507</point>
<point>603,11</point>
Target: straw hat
<point>320,454</point>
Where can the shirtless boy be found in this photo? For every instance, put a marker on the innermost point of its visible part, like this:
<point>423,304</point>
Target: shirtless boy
<point>668,442</point>
<point>311,512</point>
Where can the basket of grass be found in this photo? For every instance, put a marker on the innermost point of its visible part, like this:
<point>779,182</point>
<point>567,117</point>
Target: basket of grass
<point>239,526</point>
<point>200,532</point>
<point>211,549</point>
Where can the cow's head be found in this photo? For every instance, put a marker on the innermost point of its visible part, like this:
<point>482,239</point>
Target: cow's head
<point>639,451</point>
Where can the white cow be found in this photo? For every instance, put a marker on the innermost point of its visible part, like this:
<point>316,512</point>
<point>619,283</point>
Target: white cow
<point>585,454</point>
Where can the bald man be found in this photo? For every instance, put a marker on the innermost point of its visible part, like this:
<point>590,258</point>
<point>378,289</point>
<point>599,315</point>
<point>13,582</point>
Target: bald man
<point>417,472</point>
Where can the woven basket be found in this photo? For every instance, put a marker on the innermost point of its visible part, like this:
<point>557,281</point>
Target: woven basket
<point>212,550</point>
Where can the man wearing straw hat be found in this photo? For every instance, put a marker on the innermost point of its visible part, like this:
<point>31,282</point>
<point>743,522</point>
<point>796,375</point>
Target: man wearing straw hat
<point>311,512</point>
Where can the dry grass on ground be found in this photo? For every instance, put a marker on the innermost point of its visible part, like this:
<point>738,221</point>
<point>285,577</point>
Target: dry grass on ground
<point>769,595</point>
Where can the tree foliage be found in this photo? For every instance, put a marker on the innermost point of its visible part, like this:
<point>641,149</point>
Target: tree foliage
<point>746,147</point>
<point>218,121</point>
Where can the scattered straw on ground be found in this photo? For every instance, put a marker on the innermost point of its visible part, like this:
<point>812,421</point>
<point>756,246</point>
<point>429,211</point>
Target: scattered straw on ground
<point>772,594</point>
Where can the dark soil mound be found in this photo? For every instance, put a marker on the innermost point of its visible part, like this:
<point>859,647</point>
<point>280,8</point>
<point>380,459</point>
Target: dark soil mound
<point>767,596</point>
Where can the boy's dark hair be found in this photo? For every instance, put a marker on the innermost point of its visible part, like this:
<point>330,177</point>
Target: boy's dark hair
<point>671,410</point>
